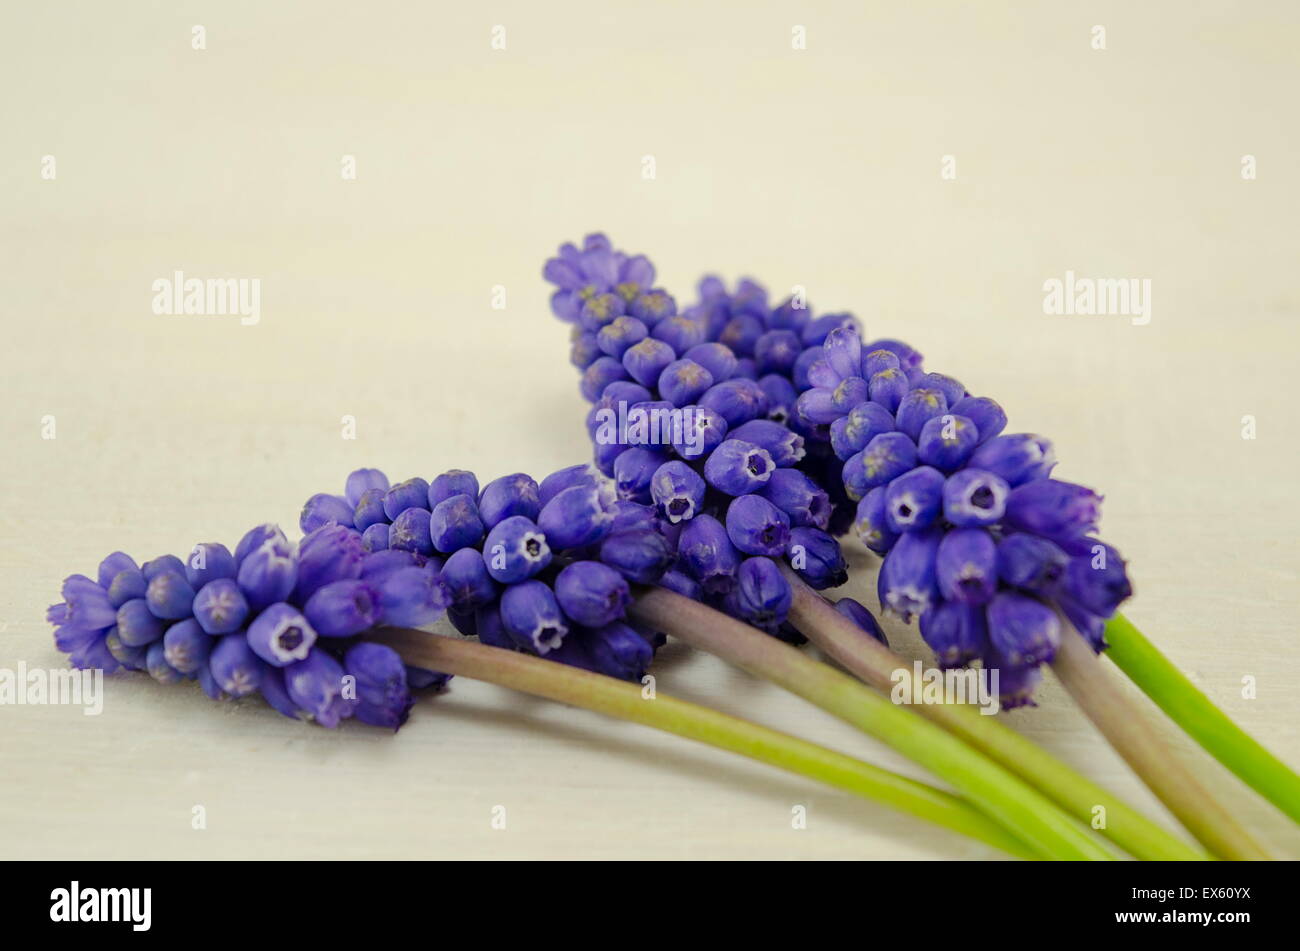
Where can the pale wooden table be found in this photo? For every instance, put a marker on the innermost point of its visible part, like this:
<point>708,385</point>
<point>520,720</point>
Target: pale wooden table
<point>818,167</point>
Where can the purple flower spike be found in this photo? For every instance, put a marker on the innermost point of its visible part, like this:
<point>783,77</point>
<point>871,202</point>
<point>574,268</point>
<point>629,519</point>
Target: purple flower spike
<point>382,697</point>
<point>757,527</point>
<point>577,516</point>
<point>187,646</point>
<point>639,556</point>
<point>467,581</point>
<point>515,550</point>
<point>871,524</point>
<point>592,593</point>
<point>1056,510</point>
<point>1022,629</point>
<point>507,497</point>
<point>208,562</point>
<point>859,615</point>
<point>738,467</point>
<point>1031,563</point>
<point>137,625</point>
<point>315,684</point>
<point>280,635</point>
<point>450,483</point>
<point>798,496</point>
<point>220,607</point>
<point>966,566</point>
<point>331,553</point>
<point>341,609</point>
<point>410,597</point>
<point>617,650</point>
<point>956,632</point>
<point>914,500</point>
<point>235,669</point>
<point>907,584</point>
<point>413,493</point>
<point>886,457</point>
<point>532,617</point>
<point>678,491</point>
<point>170,596</point>
<point>1016,459</point>
<point>362,481</point>
<point>974,497</point>
<point>816,557</point>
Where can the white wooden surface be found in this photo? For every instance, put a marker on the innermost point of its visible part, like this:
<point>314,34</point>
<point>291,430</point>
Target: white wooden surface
<point>817,167</point>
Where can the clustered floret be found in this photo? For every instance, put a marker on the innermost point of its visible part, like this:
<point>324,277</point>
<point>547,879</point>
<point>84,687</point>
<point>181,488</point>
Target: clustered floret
<point>979,542</point>
<point>273,618</point>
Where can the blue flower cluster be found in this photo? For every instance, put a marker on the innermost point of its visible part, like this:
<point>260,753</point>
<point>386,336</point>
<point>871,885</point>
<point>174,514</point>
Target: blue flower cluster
<point>979,542</point>
<point>693,413</point>
<point>545,568</point>
<point>270,618</point>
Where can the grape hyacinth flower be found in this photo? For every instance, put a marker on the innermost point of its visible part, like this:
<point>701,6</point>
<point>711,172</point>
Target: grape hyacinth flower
<point>273,618</point>
<point>698,418</point>
<point>836,433</point>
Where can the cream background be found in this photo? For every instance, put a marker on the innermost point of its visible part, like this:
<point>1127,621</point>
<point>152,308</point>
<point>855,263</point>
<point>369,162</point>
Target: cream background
<point>817,167</point>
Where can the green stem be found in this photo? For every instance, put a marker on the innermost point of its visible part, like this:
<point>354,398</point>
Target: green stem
<point>1209,726</point>
<point>1132,736</point>
<point>1016,806</point>
<point>873,662</point>
<point>617,698</point>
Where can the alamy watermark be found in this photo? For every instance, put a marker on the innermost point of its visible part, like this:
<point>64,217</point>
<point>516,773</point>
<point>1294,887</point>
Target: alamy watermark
<point>179,295</point>
<point>59,687</point>
<point>1099,296</point>
<point>638,425</point>
<point>974,685</point>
